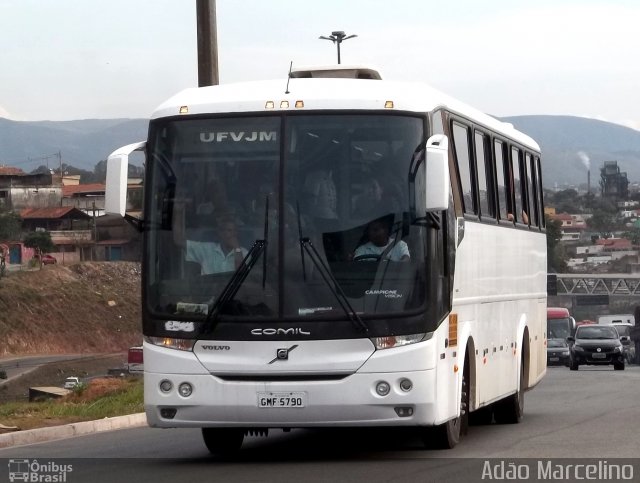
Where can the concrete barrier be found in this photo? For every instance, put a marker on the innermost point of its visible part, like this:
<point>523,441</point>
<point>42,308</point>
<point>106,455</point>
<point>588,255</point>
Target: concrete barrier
<point>39,435</point>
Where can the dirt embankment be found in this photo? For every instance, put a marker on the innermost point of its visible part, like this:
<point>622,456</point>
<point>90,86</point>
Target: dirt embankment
<point>89,307</point>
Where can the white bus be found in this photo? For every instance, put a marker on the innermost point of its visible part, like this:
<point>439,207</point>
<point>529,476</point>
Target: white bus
<point>334,249</point>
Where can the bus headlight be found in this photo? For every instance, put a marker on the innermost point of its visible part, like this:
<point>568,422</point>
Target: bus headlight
<point>398,340</point>
<point>171,343</point>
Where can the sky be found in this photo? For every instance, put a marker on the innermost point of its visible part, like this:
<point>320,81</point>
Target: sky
<point>79,59</point>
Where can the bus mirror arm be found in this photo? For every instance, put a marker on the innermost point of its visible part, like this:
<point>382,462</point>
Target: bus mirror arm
<point>438,183</point>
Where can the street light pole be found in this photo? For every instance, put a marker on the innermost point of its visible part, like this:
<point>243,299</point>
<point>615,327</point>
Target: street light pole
<point>207,43</point>
<point>337,37</point>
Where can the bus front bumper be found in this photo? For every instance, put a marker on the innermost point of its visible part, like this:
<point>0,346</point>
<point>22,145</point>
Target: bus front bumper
<point>350,401</point>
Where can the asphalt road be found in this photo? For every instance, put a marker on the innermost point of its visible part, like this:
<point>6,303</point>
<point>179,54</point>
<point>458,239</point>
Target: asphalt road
<point>18,366</point>
<point>592,413</point>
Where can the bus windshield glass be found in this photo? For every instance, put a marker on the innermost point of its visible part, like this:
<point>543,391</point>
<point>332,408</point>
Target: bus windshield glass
<point>286,216</point>
<point>559,328</point>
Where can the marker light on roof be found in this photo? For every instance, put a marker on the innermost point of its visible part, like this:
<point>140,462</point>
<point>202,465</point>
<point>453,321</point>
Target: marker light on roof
<point>269,105</point>
<point>299,104</point>
<point>184,109</point>
<point>284,104</point>
<point>388,105</point>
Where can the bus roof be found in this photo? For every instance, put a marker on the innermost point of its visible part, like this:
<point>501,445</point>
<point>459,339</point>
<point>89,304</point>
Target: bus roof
<point>557,313</point>
<point>326,93</point>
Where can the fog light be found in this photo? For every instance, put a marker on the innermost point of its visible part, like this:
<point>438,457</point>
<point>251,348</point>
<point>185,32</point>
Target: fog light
<point>404,412</point>
<point>185,389</point>
<point>165,385</point>
<point>406,385</point>
<point>168,413</point>
<point>383,388</point>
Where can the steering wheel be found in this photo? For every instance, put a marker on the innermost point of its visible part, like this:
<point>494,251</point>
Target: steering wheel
<point>370,257</point>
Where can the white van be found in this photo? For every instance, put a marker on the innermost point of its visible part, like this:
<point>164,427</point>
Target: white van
<point>627,319</point>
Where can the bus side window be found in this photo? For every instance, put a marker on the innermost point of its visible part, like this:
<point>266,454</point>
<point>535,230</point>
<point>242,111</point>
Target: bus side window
<point>517,192</point>
<point>485,185</point>
<point>463,161</point>
<point>531,190</point>
<point>502,187</point>
<point>540,195</point>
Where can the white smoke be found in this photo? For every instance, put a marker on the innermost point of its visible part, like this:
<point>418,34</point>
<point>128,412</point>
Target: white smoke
<point>585,159</point>
<point>4,113</point>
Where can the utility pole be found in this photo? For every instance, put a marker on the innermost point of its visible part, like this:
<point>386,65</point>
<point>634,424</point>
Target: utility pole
<point>207,43</point>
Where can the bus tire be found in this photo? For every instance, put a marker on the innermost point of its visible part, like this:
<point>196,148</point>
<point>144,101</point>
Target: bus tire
<point>448,434</point>
<point>223,442</point>
<point>482,416</point>
<point>510,409</point>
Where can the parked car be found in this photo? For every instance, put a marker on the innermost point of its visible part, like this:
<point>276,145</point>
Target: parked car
<point>624,330</point>
<point>47,259</point>
<point>71,382</point>
<point>558,352</point>
<point>596,345</point>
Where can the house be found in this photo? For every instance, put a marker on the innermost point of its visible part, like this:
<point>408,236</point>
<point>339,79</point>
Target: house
<point>85,197</point>
<point>71,230</point>
<point>571,226</point>
<point>19,190</point>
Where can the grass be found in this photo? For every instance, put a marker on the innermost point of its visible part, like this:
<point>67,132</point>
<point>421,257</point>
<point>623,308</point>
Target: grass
<point>99,399</point>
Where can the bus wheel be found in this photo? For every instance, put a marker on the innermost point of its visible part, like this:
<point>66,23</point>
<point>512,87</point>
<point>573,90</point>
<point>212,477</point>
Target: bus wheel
<point>447,435</point>
<point>482,416</point>
<point>223,442</point>
<point>511,409</point>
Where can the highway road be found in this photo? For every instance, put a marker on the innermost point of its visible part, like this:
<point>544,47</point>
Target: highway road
<point>592,413</point>
<point>18,366</point>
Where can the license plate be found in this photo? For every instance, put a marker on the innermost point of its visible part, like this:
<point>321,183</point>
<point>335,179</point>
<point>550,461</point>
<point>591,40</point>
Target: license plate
<point>282,399</point>
<point>554,359</point>
<point>597,355</point>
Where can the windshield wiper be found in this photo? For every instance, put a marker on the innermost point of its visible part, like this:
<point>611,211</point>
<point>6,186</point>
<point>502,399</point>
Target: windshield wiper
<point>307,246</point>
<point>237,279</point>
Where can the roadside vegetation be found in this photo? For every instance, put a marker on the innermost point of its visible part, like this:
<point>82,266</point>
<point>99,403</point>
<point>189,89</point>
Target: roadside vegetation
<point>97,399</point>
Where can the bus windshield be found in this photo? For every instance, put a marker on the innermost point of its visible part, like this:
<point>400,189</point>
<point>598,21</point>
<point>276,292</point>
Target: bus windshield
<point>559,328</point>
<point>285,216</point>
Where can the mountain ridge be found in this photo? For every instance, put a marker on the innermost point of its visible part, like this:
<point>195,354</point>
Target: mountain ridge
<point>569,143</point>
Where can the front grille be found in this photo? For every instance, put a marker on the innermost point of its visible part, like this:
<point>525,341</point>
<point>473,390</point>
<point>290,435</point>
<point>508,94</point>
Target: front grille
<point>603,350</point>
<point>283,378</point>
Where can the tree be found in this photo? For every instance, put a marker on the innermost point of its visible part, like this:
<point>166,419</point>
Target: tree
<point>602,221</point>
<point>40,241</point>
<point>556,258</point>
<point>10,226</point>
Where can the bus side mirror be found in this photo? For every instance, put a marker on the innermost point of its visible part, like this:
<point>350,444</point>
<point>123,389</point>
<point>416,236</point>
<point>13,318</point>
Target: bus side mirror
<point>115,202</point>
<point>438,183</point>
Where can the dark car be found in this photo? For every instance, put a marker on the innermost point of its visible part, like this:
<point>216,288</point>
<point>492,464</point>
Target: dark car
<point>624,331</point>
<point>596,345</point>
<point>558,352</point>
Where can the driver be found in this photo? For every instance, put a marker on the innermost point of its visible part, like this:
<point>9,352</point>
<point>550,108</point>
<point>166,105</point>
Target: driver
<point>223,256</point>
<point>380,245</point>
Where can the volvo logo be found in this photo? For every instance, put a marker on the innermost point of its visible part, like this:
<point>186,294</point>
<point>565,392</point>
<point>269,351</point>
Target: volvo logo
<point>272,331</point>
<point>216,347</point>
<point>283,354</point>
